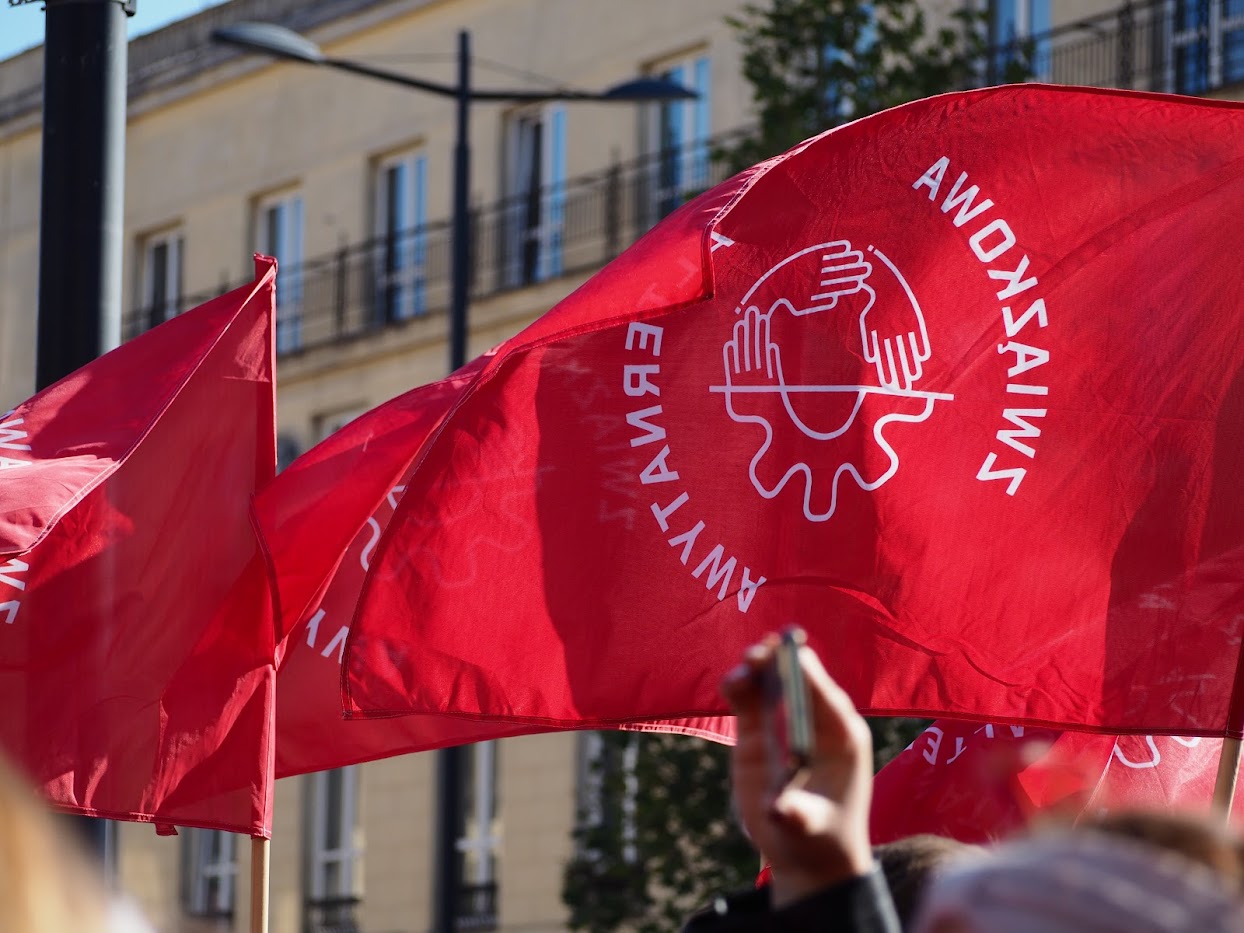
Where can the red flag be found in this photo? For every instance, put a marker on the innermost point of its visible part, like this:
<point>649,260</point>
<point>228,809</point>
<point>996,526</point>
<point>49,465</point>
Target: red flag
<point>1160,770</point>
<point>977,782</point>
<point>956,387</point>
<point>136,662</point>
<point>320,520</point>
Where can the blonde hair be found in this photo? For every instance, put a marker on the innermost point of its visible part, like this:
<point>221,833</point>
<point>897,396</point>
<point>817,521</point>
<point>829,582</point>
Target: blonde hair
<point>47,884</point>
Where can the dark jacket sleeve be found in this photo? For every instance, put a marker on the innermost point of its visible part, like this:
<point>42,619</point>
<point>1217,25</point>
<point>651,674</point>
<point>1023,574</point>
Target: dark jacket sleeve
<point>859,905</point>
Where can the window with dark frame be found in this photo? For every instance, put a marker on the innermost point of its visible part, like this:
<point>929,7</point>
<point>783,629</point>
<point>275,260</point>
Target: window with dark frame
<point>681,137</point>
<point>479,838</point>
<point>209,873</point>
<point>1207,45</point>
<point>401,237</point>
<point>535,203</point>
<point>333,855</point>
<point>162,277</point>
<point>279,232</point>
<point>601,765</point>
<point>1013,24</point>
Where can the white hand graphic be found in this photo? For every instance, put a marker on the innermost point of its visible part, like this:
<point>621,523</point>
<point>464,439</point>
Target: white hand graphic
<point>843,271</point>
<point>894,336</point>
<point>750,358</point>
<point>752,362</point>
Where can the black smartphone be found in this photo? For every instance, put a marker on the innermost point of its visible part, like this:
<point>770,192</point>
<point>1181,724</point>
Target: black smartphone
<point>789,712</point>
<point>798,712</point>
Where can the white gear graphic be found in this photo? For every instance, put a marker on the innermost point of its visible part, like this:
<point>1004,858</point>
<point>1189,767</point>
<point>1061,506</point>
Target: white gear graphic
<point>752,360</point>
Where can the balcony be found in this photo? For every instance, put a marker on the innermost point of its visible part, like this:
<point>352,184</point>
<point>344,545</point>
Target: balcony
<point>331,915</point>
<point>573,228</point>
<point>1182,46</point>
<point>1178,46</point>
<point>477,907</point>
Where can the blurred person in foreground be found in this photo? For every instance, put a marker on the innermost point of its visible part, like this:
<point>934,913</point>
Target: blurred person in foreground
<point>1080,880</point>
<point>814,832</point>
<point>47,884</point>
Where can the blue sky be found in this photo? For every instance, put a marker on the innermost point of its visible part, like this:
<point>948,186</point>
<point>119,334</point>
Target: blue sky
<point>22,27</point>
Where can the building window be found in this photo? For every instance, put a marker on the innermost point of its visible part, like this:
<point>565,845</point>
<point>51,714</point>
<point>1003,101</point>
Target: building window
<point>278,226</point>
<point>1012,23</point>
<point>608,789</point>
<point>1207,45</point>
<point>161,277</point>
<point>332,422</point>
<point>334,852</point>
<point>209,868</point>
<point>401,236</point>
<point>479,838</point>
<point>681,136</point>
<point>535,203</point>
<point>590,779</point>
<point>288,449</point>
<point>1231,41</point>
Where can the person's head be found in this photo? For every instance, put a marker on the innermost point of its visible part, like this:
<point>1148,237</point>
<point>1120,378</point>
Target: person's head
<point>909,864</point>
<point>1083,880</point>
<point>1209,843</point>
<point>46,884</point>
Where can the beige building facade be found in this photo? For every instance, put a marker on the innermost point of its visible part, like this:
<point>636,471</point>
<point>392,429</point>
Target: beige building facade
<point>348,182</point>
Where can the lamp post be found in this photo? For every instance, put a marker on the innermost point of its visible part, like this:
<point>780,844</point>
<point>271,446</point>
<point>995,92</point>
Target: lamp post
<point>284,43</point>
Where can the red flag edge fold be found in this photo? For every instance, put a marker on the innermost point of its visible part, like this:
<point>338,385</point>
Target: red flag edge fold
<point>265,271</point>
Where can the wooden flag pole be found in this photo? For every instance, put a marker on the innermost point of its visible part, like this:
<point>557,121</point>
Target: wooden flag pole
<point>1228,772</point>
<point>260,854</point>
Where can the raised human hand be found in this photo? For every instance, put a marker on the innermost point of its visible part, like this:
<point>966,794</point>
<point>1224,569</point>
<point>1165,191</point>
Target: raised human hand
<point>814,832</point>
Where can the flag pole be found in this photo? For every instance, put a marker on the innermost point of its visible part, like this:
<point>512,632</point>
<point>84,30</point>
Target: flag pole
<point>1229,758</point>
<point>1228,772</point>
<point>260,854</point>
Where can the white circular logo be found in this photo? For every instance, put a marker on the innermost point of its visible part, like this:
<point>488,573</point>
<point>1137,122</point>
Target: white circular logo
<point>827,426</point>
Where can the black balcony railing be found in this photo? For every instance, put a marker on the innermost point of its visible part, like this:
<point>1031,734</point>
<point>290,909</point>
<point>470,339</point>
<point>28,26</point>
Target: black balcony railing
<point>519,241</point>
<point>1187,46</point>
<point>331,915</point>
<point>215,918</point>
<point>1184,47</point>
<point>477,907</point>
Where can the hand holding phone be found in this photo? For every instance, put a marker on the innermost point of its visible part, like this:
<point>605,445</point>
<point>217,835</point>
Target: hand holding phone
<point>802,768</point>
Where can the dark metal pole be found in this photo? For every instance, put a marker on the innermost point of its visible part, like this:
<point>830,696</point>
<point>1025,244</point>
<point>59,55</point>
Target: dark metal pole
<point>82,209</point>
<point>461,210</point>
<point>83,184</point>
<point>1127,42</point>
<point>448,865</point>
<point>449,760</point>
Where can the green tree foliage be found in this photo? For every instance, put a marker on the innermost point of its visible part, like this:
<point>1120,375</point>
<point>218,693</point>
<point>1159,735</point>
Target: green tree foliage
<point>814,64</point>
<point>659,840</point>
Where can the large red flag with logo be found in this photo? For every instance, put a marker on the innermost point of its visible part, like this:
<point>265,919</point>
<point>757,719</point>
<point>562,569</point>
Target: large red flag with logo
<point>958,387</point>
<point>136,652</point>
<point>978,782</point>
<point>320,521</point>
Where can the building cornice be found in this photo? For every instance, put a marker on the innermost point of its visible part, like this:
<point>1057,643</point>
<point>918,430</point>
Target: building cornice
<point>182,59</point>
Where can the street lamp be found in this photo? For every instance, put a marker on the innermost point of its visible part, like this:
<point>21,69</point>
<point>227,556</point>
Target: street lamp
<point>283,43</point>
